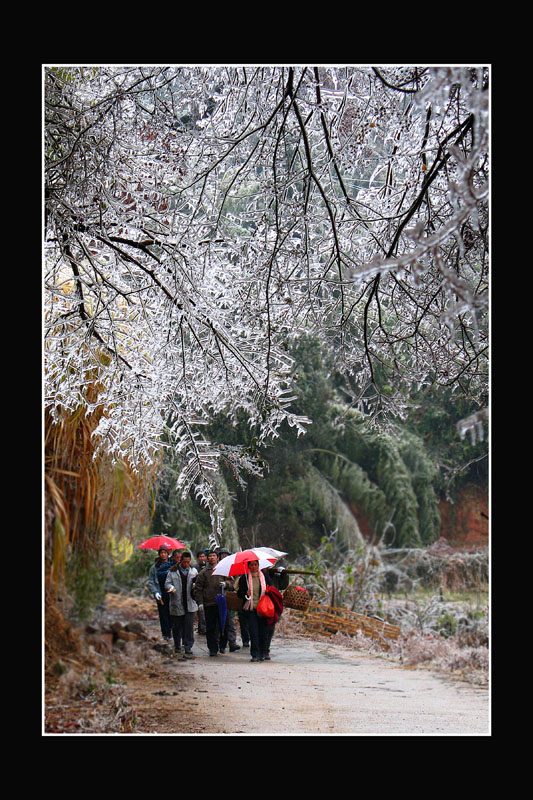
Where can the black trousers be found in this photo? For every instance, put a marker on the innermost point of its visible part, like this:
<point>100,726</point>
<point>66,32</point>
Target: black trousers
<point>201,621</point>
<point>218,638</point>
<point>183,629</point>
<point>260,635</point>
<point>243,624</point>
<point>212,628</point>
<point>229,634</point>
<point>164,615</point>
<point>270,634</point>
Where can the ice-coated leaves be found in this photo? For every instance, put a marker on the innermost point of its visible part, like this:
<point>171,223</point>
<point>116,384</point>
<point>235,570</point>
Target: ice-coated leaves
<point>473,425</point>
<point>199,219</point>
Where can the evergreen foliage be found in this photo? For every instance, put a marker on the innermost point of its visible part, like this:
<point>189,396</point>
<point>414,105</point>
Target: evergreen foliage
<point>424,477</point>
<point>354,484</point>
<point>184,518</point>
<point>341,471</point>
<point>433,419</point>
<point>331,508</point>
<point>86,581</point>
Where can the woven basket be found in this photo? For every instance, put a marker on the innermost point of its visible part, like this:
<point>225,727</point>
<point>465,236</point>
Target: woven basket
<point>233,602</point>
<point>296,598</point>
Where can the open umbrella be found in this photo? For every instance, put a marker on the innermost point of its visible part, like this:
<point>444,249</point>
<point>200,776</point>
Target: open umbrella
<point>161,541</point>
<point>269,552</point>
<point>236,564</point>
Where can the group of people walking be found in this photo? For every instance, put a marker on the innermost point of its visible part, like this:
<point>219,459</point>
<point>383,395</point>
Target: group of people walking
<point>185,593</point>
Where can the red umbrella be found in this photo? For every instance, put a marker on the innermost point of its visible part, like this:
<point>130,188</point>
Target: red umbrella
<point>236,564</point>
<point>161,541</point>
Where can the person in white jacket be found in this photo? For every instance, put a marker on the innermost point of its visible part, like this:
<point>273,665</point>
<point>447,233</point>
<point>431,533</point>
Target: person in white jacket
<point>179,585</point>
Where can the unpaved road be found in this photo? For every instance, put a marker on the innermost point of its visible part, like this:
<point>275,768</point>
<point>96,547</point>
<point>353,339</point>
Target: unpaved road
<point>309,688</point>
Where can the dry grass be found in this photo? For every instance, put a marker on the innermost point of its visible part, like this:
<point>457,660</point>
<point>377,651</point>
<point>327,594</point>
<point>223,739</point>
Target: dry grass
<point>462,656</point>
<point>86,493</point>
<point>82,692</point>
<point>84,497</point>
<point>130,606</point>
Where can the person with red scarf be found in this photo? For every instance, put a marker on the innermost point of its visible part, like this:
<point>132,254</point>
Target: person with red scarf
<point>252,587</point>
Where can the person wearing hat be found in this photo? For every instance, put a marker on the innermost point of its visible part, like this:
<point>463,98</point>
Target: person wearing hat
<point>229,635</point>
<point>156,583</point>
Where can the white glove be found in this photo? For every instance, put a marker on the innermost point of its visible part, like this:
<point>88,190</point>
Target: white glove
<point>201,607</point>
<point>157,596</point>
<point>171,589</point>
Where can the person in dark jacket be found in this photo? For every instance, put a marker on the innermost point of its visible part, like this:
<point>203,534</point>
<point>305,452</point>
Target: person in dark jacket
<point>201,561</point>
<point>280,581</point>
<point>279,577</point>
<point>206,588</point>
<point>156,583</point>
<point>228,636</point>
<point>251,587</point>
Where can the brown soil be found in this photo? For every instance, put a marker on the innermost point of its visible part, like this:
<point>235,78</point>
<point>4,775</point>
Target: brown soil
<point>465,523</point>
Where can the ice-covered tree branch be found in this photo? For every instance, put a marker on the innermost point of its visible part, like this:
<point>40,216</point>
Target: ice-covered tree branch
<point>197,219</point>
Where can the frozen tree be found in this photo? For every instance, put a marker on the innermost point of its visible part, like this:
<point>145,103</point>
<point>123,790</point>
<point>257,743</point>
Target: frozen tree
<point>199,218</point>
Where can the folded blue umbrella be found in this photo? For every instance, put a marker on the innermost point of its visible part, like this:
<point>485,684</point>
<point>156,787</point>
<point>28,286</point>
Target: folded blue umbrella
<point>222,609</point>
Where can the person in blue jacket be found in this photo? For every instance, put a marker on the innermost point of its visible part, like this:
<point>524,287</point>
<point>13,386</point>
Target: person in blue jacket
<point>156,583</point>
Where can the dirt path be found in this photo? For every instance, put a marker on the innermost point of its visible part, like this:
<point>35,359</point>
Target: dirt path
<point>307,688</point>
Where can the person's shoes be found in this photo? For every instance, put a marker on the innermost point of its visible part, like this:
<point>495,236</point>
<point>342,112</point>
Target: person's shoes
<point>246,644</point>
<point>234,647</point>
<point>188,653</point>
<point>213,654</point>
<point>178,649</point>
<point>222,650</point>
<point>267,658</point>
<point>254,659</point>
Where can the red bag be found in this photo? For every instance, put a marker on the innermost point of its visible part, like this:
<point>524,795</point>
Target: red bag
<point>265,607</point>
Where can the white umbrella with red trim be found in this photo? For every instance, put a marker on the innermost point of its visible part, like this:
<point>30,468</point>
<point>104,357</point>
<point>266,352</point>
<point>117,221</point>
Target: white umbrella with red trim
<point>237,564</point>
<point>270,553</point>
